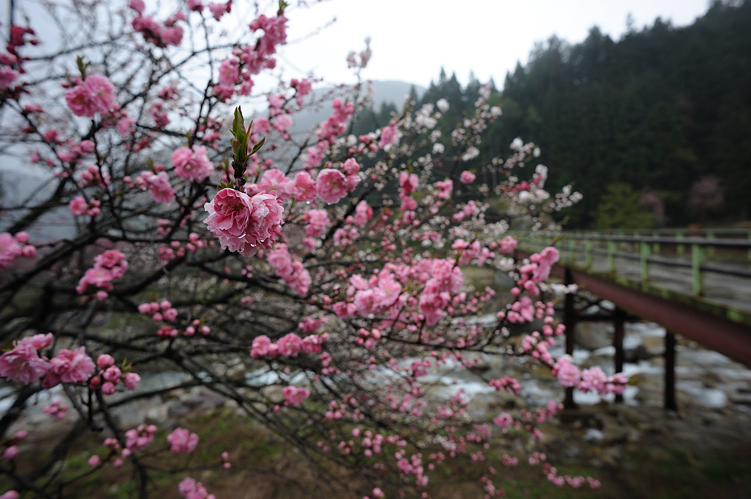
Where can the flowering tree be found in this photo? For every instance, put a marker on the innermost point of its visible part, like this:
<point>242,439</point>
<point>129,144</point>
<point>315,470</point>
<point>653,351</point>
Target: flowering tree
<point>315,281</point>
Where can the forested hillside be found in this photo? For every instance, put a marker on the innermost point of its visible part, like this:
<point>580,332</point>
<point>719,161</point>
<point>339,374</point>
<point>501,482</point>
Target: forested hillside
<point>653,129</point>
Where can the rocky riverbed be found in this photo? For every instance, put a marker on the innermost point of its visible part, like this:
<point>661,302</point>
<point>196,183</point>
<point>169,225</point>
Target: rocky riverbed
<point>713,393</point>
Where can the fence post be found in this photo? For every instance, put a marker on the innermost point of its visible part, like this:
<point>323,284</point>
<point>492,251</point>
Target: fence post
<point>644,261</point>
<point>588,253</point>
<point>611,256</point>
<point>680,249</point>
<point>697,259</point>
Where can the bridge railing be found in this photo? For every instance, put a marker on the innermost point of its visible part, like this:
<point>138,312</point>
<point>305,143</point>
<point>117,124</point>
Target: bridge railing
<point>724,252</point>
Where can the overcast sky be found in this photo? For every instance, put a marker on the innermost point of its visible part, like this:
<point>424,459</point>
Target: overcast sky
<point>412,39</point>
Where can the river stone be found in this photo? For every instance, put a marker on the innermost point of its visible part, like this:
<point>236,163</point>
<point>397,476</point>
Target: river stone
<point>593,335</point>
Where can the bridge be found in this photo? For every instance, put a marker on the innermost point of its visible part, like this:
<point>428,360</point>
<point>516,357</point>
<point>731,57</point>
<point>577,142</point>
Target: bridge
<point>696,283</point>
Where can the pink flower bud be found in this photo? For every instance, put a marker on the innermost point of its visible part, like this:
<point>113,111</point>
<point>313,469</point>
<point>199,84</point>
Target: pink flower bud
<point>11,452</point>
<point>94,460</point>
<point>112,374</point>
<point>131,381</point>
<point>104,361</point>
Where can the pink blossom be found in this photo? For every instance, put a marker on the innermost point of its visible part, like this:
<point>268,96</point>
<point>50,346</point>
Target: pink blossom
<point>192,164</point>
<point>292,271</point>
<point>112,374</point>
<point>78,205</point>
<point>131,380</point>
<point>229,216</point>
<point>139,438</point>
<point>444,188</point>
<point>70,366</point>
<point>363,213</point>
<point>7,76</point>
<point>261,125</point>
<point>56,410</point>
<point>94,94</point>
<point>38,341</point>
<point>295,395</point>
<point>172,35</point>
<point>218,9</point>
<point>182,441</point>
<point>229,71</point>
<point>260,346</point>
<point>389,136</point>
<point>138,6</point>
<point>243,224</point>
<point>275,182</point>
<point>276,102</point>
<point>566,372</point>
<point>331,185</point>
<point>22,363</point>
<point>317,221</point>
<point>158,185</point>
<point>190,489</point>
<point>467,177</point>
<point>508,245</point>
<point>195,5</point>
<point>305,187</point>
<point>313,157</point>
<point>289,345</point>
<point>11,494</point>
<point>593,379</point>
<point>503,420</point>
<point>310,325</point>
<point>408,183</point>
<point>312,343</point>
<point>282,123</point>
<point>9,249</point>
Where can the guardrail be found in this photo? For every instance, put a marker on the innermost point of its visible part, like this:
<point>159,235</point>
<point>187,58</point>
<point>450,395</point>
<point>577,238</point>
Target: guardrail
<point>718,251</point>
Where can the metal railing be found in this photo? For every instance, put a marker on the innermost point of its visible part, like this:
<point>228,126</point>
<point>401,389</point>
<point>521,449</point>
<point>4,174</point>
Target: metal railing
<point>718,251</point>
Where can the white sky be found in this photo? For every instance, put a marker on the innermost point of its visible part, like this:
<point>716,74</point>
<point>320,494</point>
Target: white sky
<point>412,39</point>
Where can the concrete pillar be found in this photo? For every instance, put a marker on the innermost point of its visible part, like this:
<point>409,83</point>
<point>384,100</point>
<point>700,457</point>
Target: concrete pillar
<point>669,389</point>
<point>619,321</point>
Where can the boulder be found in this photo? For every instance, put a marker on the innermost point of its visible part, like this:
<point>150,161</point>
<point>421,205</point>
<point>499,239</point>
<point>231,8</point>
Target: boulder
<point>593,335</point>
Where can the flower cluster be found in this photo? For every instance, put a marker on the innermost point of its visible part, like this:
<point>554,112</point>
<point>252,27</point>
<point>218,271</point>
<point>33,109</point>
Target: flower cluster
<point>158,185</point>
<point>112,375</point>
<point>192,163</point>
<point>592,379</point>
<point>12,247</point>
<point>108,266</point>
<point>288,346</point>
<point>163,311</point>
<point>244,224</point>
<point>190,489</point>
<point>95,94</point>
<point>182,441</point>
<point>23,363</point>
<point>56,409</point>
<point>161,36</point>
<point>289,269</point>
